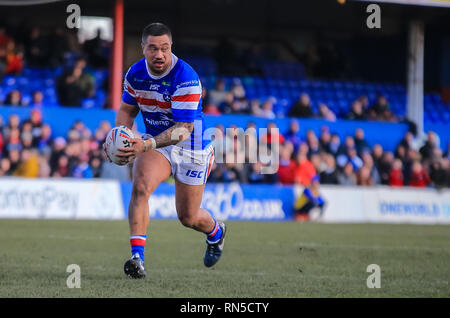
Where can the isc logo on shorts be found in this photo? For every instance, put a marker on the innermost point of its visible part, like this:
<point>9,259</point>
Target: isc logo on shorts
<point>194,173</point>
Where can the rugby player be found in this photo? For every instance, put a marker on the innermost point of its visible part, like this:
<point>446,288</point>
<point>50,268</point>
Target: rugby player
<point>167,92</point>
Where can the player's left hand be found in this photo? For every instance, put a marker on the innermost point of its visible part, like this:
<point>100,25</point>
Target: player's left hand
<point>130,153</point>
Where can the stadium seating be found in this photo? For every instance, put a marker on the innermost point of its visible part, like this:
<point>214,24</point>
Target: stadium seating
<point>338,95</point>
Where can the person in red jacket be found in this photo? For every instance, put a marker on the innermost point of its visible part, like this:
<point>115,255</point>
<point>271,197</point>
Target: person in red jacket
<point>396,174</point>
<point>419,177</point>
<point>304,171</point>
<point>286,168</point>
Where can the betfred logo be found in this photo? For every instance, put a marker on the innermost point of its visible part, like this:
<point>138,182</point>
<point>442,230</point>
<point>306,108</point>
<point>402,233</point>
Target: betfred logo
<point>194,173</point>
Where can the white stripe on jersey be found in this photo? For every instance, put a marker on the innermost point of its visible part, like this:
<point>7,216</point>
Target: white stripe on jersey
<point>150,95</point>
<point>126,84</point>
<point>185,105</point>
<point>188,90</point>
<point>154,109</point>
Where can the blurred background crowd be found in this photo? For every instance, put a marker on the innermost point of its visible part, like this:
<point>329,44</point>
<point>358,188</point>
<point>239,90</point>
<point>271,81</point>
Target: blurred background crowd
<point>51,68</point>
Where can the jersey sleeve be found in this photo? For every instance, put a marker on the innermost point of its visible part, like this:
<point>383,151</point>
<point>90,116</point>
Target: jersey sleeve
<point>128,95</point>
<point>186,98</point>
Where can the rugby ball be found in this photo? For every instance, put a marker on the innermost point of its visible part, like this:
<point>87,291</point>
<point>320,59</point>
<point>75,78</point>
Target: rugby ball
<point>118,137</point>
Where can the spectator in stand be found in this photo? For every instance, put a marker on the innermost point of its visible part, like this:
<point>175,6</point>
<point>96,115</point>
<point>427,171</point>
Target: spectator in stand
<point>36,124</point>
<point>14,59</point>
<point>368,162</point>
<point>37,53</point>
<point>360,142</point>
<point>302,108</point>
<point>218,94</point>
<point>293,134</point>
<point>255,174</point>
<point>439,174</point>
<point>4,38</point>
<point>381,105</point>
<point>347,176</point>
<point>385,166</point>
<point>97,50</point>
<point>255,108</point>
<point>37,99</point>
<point>14,98</point>
<point>313,143</point>
<point>400,153</point>
<point>428,148</point>
<point>226,105</point>
<point>286,168</point>
<point>14,158</point>
<point>62,168</point>
<point>363,177</point>
<point>326,113</point>
<point>238,90</point>
<point>29,164</point>
<point>74,85</point>
<point>304,171</point>
<point>330,174</point>
<point>82,169</point>
<point>5,167</point>
<point>211,109</point>
<point>273,135</point>
<point>410,142</point>
<point>267,110</point>
<point>377,155</point>
<point>335,144</point>
<point>44,141</point>
<point>325,140</point>
<point>356,112</point>
<point>396,174</point>
<point>419,177</point>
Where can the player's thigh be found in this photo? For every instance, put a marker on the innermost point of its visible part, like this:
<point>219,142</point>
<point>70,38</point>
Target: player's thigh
<point>149,170</point>
<point>188,199</point>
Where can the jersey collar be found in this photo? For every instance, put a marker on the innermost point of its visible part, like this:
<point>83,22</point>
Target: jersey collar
<point>174,61</point>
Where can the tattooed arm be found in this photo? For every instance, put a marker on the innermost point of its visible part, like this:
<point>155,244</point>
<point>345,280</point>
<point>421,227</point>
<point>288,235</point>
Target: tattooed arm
<point>171,136</point>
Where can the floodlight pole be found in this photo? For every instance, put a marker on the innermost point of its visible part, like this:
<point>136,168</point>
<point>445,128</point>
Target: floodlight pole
<point>415,105</point>
<point>115,86</point>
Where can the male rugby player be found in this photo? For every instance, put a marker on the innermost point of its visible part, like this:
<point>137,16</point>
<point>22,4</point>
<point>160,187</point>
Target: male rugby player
<point>167,91</point>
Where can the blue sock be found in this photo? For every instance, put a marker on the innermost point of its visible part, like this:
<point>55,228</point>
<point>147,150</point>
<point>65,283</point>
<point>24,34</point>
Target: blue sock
<point>138,245</point>
<point>215,235</point>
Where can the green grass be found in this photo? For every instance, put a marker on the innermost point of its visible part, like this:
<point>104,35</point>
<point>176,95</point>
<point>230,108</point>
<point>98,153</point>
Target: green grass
<point>260,260</point>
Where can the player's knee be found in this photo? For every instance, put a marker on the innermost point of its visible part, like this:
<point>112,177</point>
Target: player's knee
<point>187,221</point>
<point>141,190</point>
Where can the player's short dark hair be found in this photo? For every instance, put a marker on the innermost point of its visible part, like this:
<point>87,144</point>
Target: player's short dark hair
<point>156,29</point>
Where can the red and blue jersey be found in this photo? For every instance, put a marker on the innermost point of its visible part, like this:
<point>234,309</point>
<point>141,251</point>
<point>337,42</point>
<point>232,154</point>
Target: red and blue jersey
<point>175,96</point>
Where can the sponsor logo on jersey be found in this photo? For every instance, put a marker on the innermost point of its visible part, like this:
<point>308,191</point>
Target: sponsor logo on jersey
<point>164,83</point>
<point>157,122</point>
<point>154,87</point>
<point>166,96</point>
<point>188,83</point>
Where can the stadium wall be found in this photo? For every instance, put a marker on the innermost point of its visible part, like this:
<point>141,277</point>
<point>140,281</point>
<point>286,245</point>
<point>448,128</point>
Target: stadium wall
<point>109,199</point>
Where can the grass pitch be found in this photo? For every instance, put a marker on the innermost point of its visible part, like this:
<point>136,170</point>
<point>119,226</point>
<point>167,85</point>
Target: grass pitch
<point>260,259</point>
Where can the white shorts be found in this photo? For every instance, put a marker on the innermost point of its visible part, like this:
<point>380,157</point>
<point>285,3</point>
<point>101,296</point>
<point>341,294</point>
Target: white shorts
<point>191,167</point>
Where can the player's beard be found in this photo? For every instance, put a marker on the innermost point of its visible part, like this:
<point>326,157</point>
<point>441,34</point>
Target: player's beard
<point>158,71</point>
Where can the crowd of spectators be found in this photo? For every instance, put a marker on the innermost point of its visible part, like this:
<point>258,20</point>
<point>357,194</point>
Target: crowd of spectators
<point>351,161</point>
<point>219,101</point>
<point>29,149</point>
<point>37,48</point>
